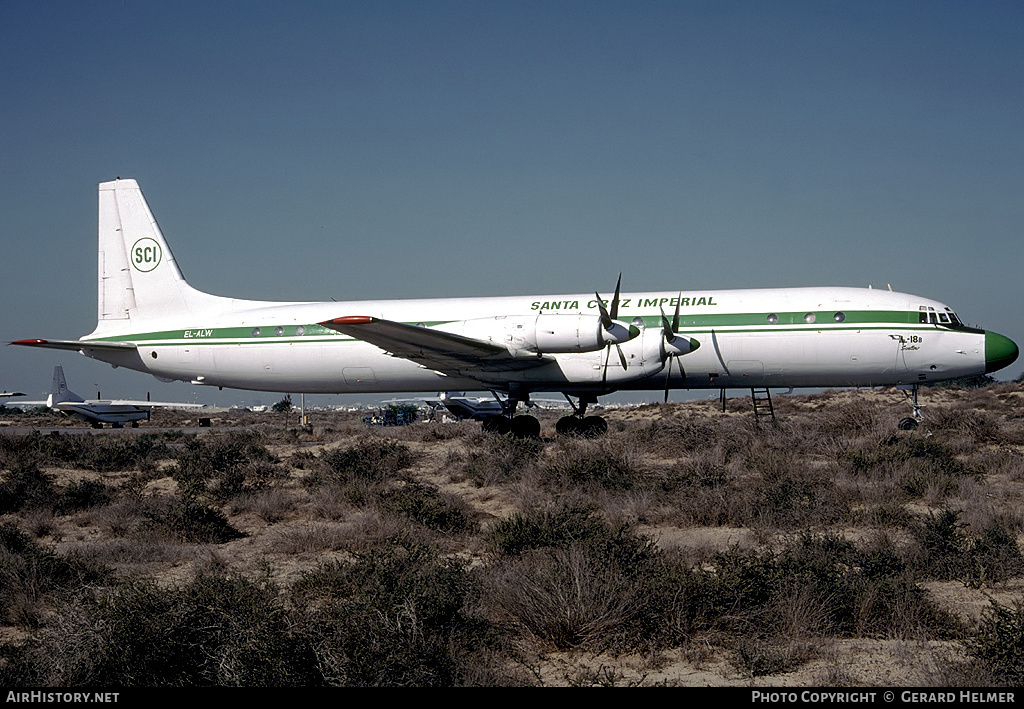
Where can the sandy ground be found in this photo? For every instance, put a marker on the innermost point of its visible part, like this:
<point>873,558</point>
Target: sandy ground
<point>301,539</point>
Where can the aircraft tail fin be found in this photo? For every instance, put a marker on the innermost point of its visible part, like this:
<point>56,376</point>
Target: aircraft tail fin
<point>59,392</point>
<point>138,277</point>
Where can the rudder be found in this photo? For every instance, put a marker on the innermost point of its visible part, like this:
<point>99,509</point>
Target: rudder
<point>138,276</point>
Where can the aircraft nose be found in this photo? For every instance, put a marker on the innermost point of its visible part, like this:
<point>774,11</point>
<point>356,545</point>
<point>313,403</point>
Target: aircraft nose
<point>1000,351</point>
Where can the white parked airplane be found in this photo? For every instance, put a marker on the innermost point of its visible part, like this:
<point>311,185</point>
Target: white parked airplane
<point>97,412</point>
<point>151,320</point>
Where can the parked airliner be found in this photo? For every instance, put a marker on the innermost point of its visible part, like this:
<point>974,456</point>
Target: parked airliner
<point>97,412</point>
<point>584,345</point>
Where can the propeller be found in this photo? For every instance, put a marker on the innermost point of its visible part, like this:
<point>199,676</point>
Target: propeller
<point>674,346</point>
<point>614,331</point>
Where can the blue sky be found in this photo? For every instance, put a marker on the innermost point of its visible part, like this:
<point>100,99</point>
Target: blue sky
<point>347,150</point>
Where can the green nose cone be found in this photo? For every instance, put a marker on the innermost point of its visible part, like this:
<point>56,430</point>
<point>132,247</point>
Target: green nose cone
<point>999,351</point>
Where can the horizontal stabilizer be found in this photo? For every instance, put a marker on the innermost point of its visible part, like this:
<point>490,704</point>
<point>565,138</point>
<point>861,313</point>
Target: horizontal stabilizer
<point>76,345</point>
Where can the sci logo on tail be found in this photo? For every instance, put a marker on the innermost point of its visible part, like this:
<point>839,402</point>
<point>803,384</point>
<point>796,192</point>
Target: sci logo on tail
<point>146,255</point>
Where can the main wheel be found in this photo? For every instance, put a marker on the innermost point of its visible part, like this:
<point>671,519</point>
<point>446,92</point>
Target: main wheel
<point>497,424</point>
<point>594,426</point>
<point>525,427</point>
<point>568,426</point>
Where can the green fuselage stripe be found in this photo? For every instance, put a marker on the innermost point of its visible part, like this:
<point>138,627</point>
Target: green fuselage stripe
<point>689,323</point>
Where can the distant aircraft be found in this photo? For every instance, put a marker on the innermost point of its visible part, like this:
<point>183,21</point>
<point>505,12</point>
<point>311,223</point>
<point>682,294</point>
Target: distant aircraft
<point>476,408</point>
<point>97,412</point>
<point>582,345</point>
<point>11,393</point>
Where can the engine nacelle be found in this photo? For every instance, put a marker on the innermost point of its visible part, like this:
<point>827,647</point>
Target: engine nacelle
<point>545,333</point>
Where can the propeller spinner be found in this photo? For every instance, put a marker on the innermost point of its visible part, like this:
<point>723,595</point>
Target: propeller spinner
<point>674,346</point>
<point>614,331</point>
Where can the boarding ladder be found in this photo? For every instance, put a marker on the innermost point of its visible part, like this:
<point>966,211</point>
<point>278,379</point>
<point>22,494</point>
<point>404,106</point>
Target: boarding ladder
<point>763,408</point>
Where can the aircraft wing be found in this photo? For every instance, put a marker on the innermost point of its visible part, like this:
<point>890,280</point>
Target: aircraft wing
<point>144,404</point>
<point>441,351</point>
<point>94,403</point>
<point>11,393</point>
<point>76,345</point>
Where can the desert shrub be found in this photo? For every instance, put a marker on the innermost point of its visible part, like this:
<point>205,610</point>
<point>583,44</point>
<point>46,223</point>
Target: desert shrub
<point>561,527</point>
<point>977,426</point>
<point>83,494</point>
<point>948,552</point>
<point>430,507</point>
<point>997,647</point>
<point>393,617</point>
<point>755,658</point>
<point>942,541</point>
<point>215,631</point>
<point>918,464</point>
<point>24,486</point>
<point>674,437</point>
<point>224,466</point>
<point>798,500</point>
<point>818,585</point>
<point>87,452</point>
<point>992,557</point>
<point>592,462</point>
<point>570,579</point>
<point>370,460</point>
<point>569,597</point>
<point>29,574</point>
<point>703,472</point>
<point>497,460</point>
<point>192,522</point>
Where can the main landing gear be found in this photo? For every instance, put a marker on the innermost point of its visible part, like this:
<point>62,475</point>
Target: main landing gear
<point>522,426</point>
<point>579,424</point>
<point>526,426</point>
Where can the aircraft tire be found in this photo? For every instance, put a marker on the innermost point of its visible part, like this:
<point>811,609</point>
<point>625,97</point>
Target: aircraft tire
<point>594,427</point>
<point>525,427</point>
<point>496,424</point>
<point>907,424</point>
<point>568,426</point>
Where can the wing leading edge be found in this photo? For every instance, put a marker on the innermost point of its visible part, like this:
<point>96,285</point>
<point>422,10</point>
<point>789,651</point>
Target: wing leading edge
<point>444,352</point>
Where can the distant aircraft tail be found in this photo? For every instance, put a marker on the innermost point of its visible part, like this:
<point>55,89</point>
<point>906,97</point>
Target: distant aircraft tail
<point>138,277</point>
<point>59,392</point>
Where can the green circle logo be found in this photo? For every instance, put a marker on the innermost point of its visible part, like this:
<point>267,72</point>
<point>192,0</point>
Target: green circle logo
<point>146,255</point>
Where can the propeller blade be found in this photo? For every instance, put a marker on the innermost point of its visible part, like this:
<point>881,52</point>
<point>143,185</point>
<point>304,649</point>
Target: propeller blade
<point>668,377</point>
<point>622,357</point>
<point>606,316</point>
<point>615,300</point>
<point>606,319</point>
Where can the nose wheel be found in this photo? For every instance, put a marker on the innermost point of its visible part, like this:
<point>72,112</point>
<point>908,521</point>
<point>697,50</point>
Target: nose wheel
<point>911,422</point>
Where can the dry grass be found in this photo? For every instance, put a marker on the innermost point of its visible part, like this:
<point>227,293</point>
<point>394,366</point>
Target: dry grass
<point>767,552</point>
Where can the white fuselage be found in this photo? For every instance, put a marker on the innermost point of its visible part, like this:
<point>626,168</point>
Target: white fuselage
<point>748,338</point>
<point>151,320</point>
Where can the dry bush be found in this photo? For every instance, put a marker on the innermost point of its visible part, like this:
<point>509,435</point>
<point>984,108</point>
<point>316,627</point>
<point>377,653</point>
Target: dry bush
<point>592,463</point>
<point>489,460</point>
<point>564,597</point>
<point>370,460</point>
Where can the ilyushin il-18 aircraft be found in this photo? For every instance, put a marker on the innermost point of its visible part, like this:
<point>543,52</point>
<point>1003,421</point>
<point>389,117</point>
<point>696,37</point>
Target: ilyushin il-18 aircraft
<point>581,345</point>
